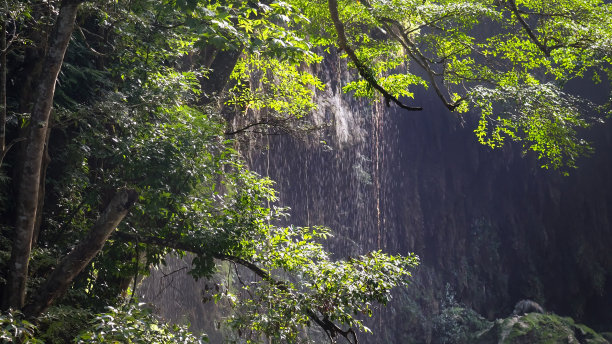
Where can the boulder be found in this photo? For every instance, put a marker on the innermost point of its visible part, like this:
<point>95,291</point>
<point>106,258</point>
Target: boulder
<point>538,328</point>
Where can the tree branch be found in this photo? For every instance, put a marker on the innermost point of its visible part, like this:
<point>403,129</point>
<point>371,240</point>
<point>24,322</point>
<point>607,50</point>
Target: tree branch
<point>528,30</point>
<point>75,261</point>
<point>420,59</point>
<point>330,328</point>
<point>246,127</point>
<point>364,71</point>
<point>94,51</point>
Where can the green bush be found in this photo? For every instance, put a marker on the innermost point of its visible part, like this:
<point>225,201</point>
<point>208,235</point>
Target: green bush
<point>135,324</point>
<point>15,329</point>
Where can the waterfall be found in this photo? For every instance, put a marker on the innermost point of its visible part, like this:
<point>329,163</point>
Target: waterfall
<point>491,227</point>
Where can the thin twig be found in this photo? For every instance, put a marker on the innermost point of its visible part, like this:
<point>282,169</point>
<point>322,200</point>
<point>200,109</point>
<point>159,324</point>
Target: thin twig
<point>87,44</point>
<point>8,147</point>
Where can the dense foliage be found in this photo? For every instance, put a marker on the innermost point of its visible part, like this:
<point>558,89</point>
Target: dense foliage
<point>508,60</point>
<point>133,324</point>
<point>118,129</point>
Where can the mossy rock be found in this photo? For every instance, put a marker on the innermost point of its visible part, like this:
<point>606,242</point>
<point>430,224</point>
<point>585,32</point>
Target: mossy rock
<point>536,328</point>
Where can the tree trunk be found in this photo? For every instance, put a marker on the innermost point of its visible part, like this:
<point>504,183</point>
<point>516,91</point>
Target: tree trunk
<point>3,70</point>
<point>222,66</point>
<point>28,188</point>
<point>41,189</point>
<point>63,275</point>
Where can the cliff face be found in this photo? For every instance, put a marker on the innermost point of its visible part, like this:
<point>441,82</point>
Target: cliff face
<point>491,227</point>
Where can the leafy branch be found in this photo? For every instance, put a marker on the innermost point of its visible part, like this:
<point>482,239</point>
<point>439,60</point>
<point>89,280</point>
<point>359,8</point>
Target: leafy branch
<point>363,70</point>
<point>355,282</point>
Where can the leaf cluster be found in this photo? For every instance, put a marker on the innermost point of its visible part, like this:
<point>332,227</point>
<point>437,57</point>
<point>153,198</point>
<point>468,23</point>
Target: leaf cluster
<point>522,52</point>
<point>133,324</point>
<point>301,286</point>
<point>15,329</point>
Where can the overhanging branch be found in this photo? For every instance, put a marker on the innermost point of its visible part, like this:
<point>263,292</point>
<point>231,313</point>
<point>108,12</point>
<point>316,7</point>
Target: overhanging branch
<point>364,71</point>
<point>527,28</point>
<point>330,328</point>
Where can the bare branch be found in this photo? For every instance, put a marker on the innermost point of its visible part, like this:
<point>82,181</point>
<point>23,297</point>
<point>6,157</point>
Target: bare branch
<point>8,147</point>
<point>246,127</point>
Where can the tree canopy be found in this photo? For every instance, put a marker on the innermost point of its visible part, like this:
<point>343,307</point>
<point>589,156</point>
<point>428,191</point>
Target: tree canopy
<point>117,150</point>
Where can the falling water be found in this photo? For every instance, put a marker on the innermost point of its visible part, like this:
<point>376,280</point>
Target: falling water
<point>377,120</point>
<point>490,226</point>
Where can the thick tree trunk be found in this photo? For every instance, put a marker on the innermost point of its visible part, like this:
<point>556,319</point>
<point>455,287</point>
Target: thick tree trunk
<point>82,254</point>
<point>29,183</point>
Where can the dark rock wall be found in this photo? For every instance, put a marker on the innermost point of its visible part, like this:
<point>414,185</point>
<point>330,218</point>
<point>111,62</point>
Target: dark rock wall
<point>491,227</point>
